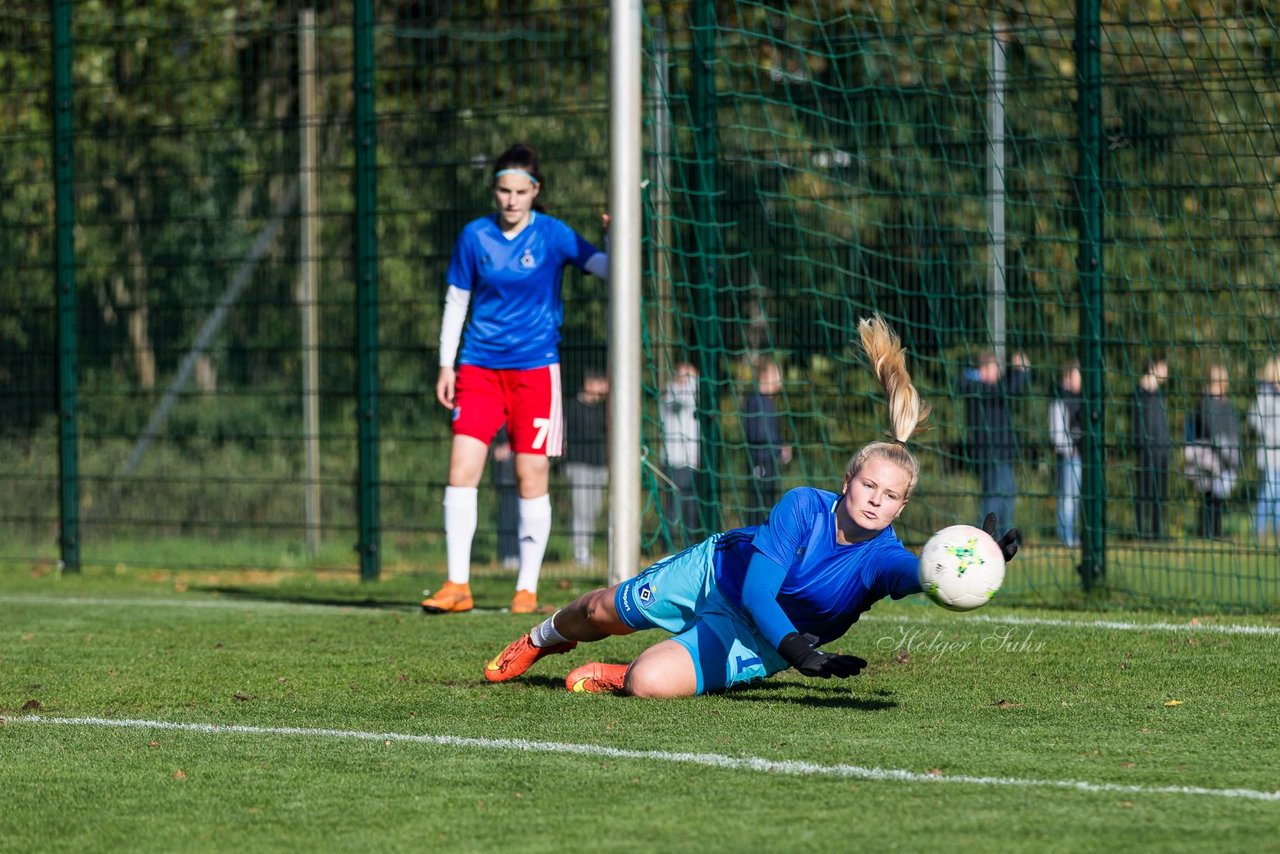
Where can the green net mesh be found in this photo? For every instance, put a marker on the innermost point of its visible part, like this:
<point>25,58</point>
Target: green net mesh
<point>805,165</point>
<point>833,164</point>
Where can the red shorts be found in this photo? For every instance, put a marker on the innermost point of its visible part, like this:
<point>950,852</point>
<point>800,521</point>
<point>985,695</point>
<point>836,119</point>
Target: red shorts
<point>528,401</point>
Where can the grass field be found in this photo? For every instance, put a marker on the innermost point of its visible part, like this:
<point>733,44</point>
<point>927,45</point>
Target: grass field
<point>202,712</point>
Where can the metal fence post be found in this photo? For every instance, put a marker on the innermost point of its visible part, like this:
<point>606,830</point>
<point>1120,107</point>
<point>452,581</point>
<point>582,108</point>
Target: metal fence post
<point>309,273</point>
<point>1089,264</point>
<point>366,289</point>
<point>65,283</point>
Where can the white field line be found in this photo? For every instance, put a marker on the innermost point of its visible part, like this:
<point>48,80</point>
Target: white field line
<point>707,760</point>
<point>247,604</point>
<point>146,602</point>
<point>1007,619</point>
<point>1113,625</point>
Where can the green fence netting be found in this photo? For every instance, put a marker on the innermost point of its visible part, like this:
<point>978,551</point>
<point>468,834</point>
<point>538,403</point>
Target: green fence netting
<point>805,164</point>
<point>825,164</point>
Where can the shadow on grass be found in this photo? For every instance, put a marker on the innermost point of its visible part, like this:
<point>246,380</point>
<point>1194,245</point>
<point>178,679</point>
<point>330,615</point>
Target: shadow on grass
<point>817,696</point>
<point>546,683</point>
<point>810,694</point>
<point>295,598</point>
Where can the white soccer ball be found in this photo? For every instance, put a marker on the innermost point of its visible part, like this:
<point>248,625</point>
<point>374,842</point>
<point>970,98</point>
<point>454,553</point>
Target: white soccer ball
<point>961,568</point>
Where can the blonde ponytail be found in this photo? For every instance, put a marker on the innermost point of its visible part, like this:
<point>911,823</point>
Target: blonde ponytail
<point>907,411</point>
<point>889,362</point>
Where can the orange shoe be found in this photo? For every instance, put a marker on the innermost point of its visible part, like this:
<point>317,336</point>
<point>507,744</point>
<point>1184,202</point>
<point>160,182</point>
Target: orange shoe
<point>519,656</point>
<point>524,602</point>
<point>449,599</point>
<point>596,678</point>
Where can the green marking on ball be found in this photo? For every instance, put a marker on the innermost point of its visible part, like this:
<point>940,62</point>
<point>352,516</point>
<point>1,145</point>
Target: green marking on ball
<point>966,554</point>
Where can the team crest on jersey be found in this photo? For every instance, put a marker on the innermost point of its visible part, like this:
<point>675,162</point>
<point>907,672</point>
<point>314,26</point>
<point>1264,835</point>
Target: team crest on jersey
<point>646,594</point>
<point>526,260</point>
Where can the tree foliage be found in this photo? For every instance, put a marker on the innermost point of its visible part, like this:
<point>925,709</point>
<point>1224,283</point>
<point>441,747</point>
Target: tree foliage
<point>851,176</point>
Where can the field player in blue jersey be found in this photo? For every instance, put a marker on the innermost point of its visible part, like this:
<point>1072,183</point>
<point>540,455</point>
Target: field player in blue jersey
<point>507,269</point>
<point>754,601</point>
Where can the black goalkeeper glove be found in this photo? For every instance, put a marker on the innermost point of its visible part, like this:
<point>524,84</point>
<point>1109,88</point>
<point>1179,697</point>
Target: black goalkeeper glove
<point>1008,543</point>
<point>802,653</point>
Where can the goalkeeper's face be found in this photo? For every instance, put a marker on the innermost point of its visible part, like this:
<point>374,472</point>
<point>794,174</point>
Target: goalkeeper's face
<point>875,494</point>
<point>514,195</point>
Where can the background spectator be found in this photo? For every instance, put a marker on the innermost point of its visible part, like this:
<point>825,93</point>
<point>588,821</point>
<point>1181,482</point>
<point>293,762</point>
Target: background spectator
<point>587,460</point>
<point>1212,452</point>
<point>1154,447</point>
<point>993,447</point>
<point>765,447</point>
<point>678,410</point>
<point>508,514</point>
<point>1264,417</point>
<point>1064,432</point>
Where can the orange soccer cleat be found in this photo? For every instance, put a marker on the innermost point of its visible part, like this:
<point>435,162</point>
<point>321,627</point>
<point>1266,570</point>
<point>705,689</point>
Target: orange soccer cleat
<point>524,602</point>
<point>519,656</point>
<point>596,678</point>
<point>449,599</point>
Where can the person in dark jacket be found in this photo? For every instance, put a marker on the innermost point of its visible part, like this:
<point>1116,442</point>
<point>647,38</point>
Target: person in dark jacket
<point>586,459</point>
<point>993,447</point>
<point>1154,447</point>
<point>765,447</point>
<point>1213,453</point>
<point>503,472</point>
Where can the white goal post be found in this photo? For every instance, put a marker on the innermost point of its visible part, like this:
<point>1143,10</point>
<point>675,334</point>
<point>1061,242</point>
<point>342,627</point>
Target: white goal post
<point>624,288</point>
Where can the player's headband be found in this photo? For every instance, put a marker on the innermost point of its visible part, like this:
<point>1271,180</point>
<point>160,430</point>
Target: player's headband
<point>522,172</point>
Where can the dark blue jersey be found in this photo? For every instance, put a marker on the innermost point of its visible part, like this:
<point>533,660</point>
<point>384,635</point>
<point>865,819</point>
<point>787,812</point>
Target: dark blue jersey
<point>826,586</point>
<point>516,307</point>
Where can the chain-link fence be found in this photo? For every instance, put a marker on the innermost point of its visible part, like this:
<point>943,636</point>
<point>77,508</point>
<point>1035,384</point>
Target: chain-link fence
<point>1018,179</point>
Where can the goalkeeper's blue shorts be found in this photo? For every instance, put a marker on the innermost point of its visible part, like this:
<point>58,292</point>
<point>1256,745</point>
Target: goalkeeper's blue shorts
<point>679,594</point>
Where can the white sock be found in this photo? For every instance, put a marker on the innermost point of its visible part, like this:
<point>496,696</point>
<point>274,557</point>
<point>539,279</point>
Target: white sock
<point>459,530</point>
<point>545,633</point>
<point>535,530</point>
